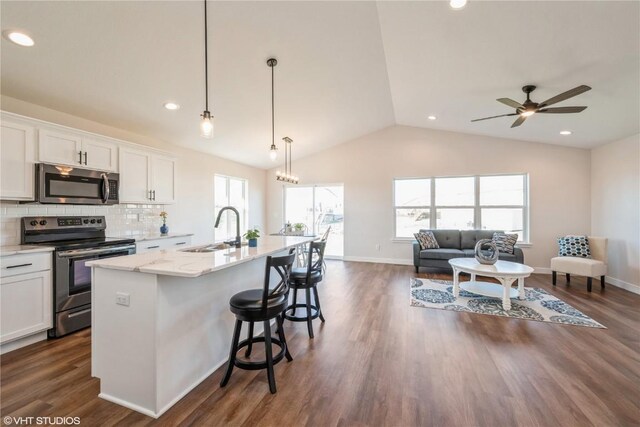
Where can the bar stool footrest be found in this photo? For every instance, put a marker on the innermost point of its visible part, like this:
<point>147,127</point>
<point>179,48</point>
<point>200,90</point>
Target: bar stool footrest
<point>293,318</point>
<point>252,366</point>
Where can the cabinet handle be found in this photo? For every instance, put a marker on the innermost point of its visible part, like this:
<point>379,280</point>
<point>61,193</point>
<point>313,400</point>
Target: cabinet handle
<point>19,265</point>
<point>154,195</point>
<point>153,247</point>
<point>149,195</point>
<point>80,154</point>
<point>181,243</point>
<point>85,157</point>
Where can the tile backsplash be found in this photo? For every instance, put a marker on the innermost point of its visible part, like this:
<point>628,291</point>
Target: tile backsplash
<point>122,220</point>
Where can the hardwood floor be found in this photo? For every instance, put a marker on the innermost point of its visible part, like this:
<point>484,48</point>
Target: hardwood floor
<point>378,361</point>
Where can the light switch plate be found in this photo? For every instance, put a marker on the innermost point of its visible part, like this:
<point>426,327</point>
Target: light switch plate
<point>122,299</point>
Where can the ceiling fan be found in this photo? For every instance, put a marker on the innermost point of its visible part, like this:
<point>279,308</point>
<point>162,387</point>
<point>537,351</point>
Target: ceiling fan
<point>528,107</point>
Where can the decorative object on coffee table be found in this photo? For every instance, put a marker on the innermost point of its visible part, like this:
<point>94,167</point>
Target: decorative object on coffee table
<point>164,229</point>
<point>486,252</point>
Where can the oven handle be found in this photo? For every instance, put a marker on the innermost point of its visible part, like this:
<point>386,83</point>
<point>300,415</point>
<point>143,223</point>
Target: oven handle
<point>105,188</point>
<point>78,252</point>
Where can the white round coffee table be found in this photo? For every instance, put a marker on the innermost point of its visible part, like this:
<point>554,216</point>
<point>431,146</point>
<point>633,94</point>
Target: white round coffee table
<point>506,272</point>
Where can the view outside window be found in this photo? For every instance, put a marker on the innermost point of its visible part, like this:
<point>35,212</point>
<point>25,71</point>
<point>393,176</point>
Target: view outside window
<point>495,202</point>
<point>230,191</point>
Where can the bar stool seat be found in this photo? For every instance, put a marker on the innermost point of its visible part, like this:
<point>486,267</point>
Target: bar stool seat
<point>261,305</point>
<point>299,274</point>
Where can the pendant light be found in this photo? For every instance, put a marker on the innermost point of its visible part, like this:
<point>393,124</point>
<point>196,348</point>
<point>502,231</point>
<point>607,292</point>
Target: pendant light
<point>273,151</point>
<point>206,124</point>
<point>288,175</point>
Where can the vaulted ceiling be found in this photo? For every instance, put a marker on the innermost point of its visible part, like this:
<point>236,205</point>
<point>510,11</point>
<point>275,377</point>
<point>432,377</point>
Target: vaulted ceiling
<point>344,69</point>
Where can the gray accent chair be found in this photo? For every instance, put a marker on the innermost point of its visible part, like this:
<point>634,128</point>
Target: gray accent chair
<point>457,244</point>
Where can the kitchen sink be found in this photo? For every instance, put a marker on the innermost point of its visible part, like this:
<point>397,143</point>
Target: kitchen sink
<point>211,248</point>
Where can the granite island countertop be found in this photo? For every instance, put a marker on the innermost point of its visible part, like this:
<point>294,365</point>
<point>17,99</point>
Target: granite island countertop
<point>155,236</point>
<point>189,264</point>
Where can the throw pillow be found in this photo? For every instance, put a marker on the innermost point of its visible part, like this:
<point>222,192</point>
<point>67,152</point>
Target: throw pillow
<point>577,246</point>
<point>427,240</point>
<point>505,242</point>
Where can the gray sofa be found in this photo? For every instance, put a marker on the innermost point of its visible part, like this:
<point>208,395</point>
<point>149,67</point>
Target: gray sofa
<point>456,244</point>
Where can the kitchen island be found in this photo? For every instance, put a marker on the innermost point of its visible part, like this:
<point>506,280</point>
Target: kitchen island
<point>161,322</point>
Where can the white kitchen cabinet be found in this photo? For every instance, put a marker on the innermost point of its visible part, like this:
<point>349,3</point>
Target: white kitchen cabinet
<point>25,296</point>
<point>69,148</point>
<point>163,180</point>
<point>17,158</point>
<point>162,243</point>
<point>146,177</point>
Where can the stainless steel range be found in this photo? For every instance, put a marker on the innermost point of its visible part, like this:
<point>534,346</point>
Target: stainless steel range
<point>77,240</point>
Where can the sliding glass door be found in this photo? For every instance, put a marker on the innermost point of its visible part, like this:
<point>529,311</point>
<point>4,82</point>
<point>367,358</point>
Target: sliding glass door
<point>318,207</point>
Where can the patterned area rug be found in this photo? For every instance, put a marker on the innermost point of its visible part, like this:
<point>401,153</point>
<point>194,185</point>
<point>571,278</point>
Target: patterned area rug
<point>537,305</point>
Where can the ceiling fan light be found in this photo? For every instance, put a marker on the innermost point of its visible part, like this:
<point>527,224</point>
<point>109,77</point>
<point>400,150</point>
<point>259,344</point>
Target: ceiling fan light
<point>527,113</point>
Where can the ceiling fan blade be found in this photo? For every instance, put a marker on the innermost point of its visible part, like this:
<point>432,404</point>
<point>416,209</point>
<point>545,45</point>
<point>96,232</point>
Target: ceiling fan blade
<point>493,117</point>
<point>520,120</point>
<point>566,95</point>
<point>510,102</point>
<point>562,110</point>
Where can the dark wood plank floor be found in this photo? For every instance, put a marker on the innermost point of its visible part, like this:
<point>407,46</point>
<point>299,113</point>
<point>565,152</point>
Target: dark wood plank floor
<point>377,361</point>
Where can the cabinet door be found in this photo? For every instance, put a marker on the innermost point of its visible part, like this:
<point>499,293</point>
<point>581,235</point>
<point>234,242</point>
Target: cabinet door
<point>134,176</point>
<point>60,148</point>
<point>17,157</point>
<point>25,305</point>
<point>163,179</point>
<point>101,155</point>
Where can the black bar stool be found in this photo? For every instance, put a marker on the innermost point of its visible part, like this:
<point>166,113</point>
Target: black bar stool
<point>262,305</point>
<point>307,279</point>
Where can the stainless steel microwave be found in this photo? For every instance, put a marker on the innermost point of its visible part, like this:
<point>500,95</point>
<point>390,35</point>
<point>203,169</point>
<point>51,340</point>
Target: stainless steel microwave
<point>68,185</point>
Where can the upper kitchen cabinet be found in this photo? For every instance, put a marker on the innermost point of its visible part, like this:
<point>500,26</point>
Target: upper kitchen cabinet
<point>68,148</point>
<point>146,177</point>
<point>17,158</point>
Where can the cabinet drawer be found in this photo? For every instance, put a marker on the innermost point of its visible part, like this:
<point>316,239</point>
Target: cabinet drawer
<point>166,243</point>
<point>24,263</point>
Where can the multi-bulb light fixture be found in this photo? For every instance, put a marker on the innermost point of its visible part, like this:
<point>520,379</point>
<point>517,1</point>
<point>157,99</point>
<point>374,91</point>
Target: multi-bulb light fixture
<point>288,175</point>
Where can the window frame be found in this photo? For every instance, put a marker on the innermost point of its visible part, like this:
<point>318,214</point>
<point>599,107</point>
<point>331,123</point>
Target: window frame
<point>477,207</point>
<point>244,219</point>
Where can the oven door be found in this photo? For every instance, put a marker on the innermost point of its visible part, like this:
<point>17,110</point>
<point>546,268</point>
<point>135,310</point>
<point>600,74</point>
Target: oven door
<point>64,184</point>
<point>73,276</point>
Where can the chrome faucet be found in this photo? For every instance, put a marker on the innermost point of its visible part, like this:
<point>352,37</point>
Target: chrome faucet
<point>237,242</point>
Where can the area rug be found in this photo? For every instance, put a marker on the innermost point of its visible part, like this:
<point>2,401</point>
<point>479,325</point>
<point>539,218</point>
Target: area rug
<point>538,304</point>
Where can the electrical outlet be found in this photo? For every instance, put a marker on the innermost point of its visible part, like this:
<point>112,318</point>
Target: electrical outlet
<point>122,299</point>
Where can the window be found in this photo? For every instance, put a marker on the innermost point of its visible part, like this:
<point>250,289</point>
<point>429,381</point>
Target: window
<point>229,191</point>
<point>486,202</point>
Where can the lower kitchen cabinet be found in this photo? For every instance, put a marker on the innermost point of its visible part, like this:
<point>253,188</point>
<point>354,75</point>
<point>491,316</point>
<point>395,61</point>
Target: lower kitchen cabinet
<point>25,296</point>
<point>162,243</point>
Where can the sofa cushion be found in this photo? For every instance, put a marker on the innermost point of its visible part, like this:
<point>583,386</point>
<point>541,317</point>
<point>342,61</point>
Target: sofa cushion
<point>426,239</point>
<point>444,254</point>
<point>448,239</point>
<point>505,242</point>
<point>468,238</point>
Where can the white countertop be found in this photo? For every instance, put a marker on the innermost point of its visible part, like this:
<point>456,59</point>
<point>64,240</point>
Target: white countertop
<point>188,264</point>
<point>23,249</point>
<point>156,236</point>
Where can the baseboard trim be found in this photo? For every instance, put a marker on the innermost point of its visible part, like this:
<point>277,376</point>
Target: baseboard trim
<point>378,260</point>
<point>623,285</point>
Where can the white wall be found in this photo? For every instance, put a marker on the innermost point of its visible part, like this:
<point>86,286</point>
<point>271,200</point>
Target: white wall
<point>615,207</point>
<point>194,211</point>
<point>559,184</point>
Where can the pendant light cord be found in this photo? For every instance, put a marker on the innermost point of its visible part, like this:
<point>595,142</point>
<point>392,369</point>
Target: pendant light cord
<point>206,60</point>
<point>273,126</point>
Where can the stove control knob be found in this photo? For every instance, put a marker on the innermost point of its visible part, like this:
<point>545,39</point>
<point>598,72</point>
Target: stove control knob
<point>86,221</point>
<point>93,221</point>
<point>43,222</point>
<point>99,221</point>
<point>34,223</point>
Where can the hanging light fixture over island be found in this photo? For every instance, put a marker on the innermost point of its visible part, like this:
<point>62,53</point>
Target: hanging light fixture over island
<point>206,124</point>
<point>288,175</point>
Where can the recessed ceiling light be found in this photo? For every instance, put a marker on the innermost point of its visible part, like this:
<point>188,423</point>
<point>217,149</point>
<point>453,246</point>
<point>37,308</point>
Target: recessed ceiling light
<point>565,132</point>
<point>431,117</point>
<point>457,4</point>
<point>19,38</point>
<point>171,106</point>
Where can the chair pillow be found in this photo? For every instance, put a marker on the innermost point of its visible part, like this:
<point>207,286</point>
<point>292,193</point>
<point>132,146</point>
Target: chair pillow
<point>427,240</point>
<point>577,246</point>
<point>505,242</point>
